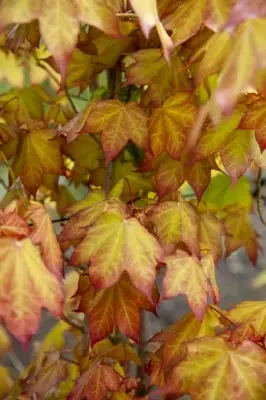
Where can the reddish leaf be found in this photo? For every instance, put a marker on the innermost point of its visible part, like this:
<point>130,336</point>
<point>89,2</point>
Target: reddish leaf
<point>118,306</point>
<point>12,225</point>
<point>95,383</point>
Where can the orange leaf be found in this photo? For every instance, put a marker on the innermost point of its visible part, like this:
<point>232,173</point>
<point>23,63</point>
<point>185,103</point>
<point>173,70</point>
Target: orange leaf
<point>168,125</point>
<point>118,306</point>
<point>43,234</point>
<point>95,383</point>
<point>119,123</point>
<point>27,286</point>
<point>185,275</point>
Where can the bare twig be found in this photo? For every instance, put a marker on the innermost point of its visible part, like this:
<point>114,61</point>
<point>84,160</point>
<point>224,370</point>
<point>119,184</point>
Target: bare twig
<point>259,207</point>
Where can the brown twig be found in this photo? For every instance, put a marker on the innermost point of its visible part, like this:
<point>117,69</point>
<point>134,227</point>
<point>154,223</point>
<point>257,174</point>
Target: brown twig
<point>259,208</point>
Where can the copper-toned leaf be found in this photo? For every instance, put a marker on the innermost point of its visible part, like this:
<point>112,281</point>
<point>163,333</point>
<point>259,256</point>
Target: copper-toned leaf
<point>255,118</point>
<point>118,306</point>
<point>96,382</point>
<point>12,225</point>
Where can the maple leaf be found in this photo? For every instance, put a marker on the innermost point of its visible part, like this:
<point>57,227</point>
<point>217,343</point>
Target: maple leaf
<point>168,125</point>
<point>236,153</point>
<point>216,50</point>
<point>115,244</point>
<point>11,224</point>
<point>245,9</point>
<point>185,275</point>
<point>149,18</point>
<point>218,13</point>
<point>184,330</point>
<point>239,372</point>
<point>60,33</point>
<point>122,352</point>
<point>39,154</point>
<point>27,286</point>
<point>43,234</point>
<point>169,176</point>
<point>46,376</point>
<point>96,382</point>
<point>235,78</point>
<point>177,221</point>
<point>251,312</point>
<point>151,68</point>
<point>214,137</point>
<point>186,20</point>
<point>119,123</point>
<point>11,69</point>
<point>117,306</point>
<point>239,232</point>
<point>255,118</point>
<point>211,230</point>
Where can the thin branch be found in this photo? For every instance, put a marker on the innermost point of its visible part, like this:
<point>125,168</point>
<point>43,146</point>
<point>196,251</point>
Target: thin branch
<point>21,191</point>
<point>71,102</point>
<point>74,324</point>
<point>15,361</point>
<point>259,207</point>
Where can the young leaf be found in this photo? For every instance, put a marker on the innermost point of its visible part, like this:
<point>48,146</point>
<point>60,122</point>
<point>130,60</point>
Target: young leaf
<point>185,275</point>
<point>119,123</point>
<point>27,286</point>
<point>117,306</point>
<point>43,234</point>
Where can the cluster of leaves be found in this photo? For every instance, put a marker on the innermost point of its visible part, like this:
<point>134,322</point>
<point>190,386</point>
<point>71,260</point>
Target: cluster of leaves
<point>111,111</point>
